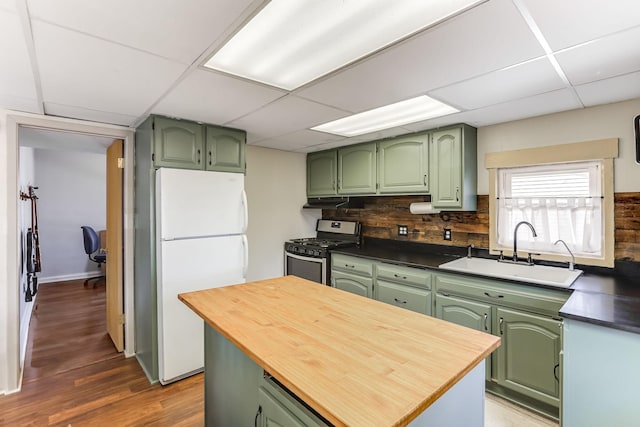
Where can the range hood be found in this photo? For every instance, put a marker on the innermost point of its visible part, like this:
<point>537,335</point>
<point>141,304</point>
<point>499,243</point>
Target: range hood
<point>333,203</point>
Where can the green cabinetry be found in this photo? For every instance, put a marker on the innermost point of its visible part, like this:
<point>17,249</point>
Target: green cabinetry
<point>440,162</point>
<point>352,274</point>
<point>357,169</point>
<point>278,408</point>
<point>454,168</point>
<point>526,366</point>
<point>404,287</point>
<point>403,164</point>
<point>189,145</point>
<point>322,173</point>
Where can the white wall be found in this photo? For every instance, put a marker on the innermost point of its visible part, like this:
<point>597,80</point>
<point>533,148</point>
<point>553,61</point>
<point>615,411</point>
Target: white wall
<point>72,192</point>
<point>276,191</point>
<point>602,122</point>
<point>25,179</point>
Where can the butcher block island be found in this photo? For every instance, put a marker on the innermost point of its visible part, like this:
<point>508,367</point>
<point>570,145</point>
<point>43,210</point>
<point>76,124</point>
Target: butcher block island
<point>287,351</point>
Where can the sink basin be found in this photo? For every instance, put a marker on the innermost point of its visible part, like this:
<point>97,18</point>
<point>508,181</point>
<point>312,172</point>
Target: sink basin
<point>540,274</point>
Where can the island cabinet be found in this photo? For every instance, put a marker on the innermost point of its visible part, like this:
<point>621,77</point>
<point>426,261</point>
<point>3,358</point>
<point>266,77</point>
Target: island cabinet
<point>357,169</point>
<point>185,144</point>
<point>322,173</point>
<point>453,157</point>
<point>404,287</point>
<point>352,274</point>
<point>290,352</point>
<point>403,165</point>
<point>526,367</point>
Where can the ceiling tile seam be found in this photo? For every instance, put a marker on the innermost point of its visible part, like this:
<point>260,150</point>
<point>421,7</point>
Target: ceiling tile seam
<point>87,109</point>
<point>537,33</point>
<point>25,22</point>
<point>232,28</point>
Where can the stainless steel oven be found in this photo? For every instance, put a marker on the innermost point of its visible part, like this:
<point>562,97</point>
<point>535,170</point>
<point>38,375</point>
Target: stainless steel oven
<point>310,258</point>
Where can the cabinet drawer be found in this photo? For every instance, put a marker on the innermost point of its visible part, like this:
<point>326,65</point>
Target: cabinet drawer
<point>414,299</point>
<point>530,298</point>
<point>351,264</point>
<point>405,275</point>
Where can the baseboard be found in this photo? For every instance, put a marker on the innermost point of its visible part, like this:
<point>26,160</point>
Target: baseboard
<point>66,277</point>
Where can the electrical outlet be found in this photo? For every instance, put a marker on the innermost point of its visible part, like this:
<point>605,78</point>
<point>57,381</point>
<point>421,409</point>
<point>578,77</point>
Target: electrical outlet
<point>446,235</point>
<point>403,230</point>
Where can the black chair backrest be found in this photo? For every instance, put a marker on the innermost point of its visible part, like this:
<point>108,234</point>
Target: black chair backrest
<point>91,239</point>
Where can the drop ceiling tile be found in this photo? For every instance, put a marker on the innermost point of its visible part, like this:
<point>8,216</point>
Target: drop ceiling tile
<point>10,102</point>
<point>606,57</point>
<point>298,140</point>
<point>76,112</point>
<point>610,90</point>
<point>487,38</point>
<point>286,115</point>
<point>520,81</point>
<point>181,31</point>
<point>8,5</point>
<point>570,22</point>
<point>16,77</point>
<point>83,71</point>
<point>214,98</point>
<point>538,105</point>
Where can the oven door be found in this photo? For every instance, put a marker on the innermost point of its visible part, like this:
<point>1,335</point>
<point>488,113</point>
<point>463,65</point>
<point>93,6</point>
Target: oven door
<point>314,269</point>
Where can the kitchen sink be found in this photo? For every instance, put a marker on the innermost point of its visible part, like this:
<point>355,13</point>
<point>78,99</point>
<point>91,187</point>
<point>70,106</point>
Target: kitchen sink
<point>540,274</point>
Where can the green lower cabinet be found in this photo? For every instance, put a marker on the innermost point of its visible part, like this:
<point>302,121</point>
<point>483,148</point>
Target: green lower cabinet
<point>353,283</point>
<point>528,360</point>
<point>276,408</point>
<point>474,315</point>
<point>414,299</point>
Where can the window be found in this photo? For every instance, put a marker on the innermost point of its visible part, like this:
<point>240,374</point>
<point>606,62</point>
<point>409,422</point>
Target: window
<point>562,201</point>
<point>565,191</point>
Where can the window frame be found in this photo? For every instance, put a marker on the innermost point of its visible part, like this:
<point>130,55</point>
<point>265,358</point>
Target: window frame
<point>601,150</point>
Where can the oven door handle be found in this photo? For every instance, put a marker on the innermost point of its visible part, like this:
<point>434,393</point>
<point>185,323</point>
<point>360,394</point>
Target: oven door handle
<point>304,258</point>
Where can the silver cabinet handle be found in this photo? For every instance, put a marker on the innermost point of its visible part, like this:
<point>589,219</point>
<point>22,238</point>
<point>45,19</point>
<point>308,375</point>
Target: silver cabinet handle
<point>397,276</point>
<point>350,266</point>
<point>486,328</point>
<point>399,301</point>
<point>424,180</point>
<point>457,194</point>
<point>210,157</point>
<point>198,157</point>
<point>501,323</point>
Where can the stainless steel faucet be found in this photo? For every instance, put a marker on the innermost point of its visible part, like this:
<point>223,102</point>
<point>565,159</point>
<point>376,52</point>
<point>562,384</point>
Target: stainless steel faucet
<point>573,258</point>
<point>515,237</point>
<point>469,247</point>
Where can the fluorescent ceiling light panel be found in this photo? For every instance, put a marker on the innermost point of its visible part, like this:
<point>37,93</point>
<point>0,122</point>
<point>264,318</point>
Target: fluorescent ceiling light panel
<point>398,114</point>
<point>292,42</point>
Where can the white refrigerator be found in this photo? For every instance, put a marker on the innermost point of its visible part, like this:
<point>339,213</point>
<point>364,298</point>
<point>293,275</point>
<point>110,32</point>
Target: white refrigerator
<point>201,221</point>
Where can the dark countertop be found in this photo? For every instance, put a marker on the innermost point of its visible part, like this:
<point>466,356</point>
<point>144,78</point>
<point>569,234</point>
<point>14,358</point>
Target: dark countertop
<point>602,296</point>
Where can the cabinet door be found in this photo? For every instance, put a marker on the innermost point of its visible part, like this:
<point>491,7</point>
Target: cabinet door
<point>474,315</point>
<point>358,285</point>
<point>414,299</point>
<point>178,144</point>
<point>446,165</point>
<point>528,360</point>
<point>403,165</point>
<point>322,172</point>
<point>274,413</point>
<point>225,149</point>
<point>357,169</point>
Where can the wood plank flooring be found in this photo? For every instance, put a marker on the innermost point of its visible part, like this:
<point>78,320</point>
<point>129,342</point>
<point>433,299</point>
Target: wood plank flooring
<point>74,376</point>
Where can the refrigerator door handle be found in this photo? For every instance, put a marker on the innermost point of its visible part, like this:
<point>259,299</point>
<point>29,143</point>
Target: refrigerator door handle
<point>245,224</point>
<point>245,244</point>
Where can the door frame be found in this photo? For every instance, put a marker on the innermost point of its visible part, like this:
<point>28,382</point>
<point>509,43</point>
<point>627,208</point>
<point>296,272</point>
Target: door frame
<point>11,366</point>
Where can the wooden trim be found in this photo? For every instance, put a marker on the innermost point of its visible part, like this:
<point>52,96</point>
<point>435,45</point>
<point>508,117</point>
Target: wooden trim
<point>574,152</point>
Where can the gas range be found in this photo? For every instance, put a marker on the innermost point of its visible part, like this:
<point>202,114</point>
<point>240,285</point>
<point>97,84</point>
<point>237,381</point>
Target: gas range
<point>330,235</point>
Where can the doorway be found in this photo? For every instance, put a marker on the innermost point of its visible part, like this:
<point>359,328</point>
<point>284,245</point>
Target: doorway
<point>12,364</point>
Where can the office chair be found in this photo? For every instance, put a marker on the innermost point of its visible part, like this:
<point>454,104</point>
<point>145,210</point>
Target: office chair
<point>91,247</point>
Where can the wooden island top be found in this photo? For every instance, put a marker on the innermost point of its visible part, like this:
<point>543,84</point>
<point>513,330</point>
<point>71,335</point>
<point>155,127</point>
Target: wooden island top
<point>356,361</point>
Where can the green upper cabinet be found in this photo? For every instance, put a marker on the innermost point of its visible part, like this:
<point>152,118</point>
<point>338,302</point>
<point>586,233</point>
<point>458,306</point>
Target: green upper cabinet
<point>357,169</point>
<point>178,144</point>
<point>225,149</point>
<point>183,144</point>
<point>403,165</point>
<point>322,173</point>
<point>454,168</point>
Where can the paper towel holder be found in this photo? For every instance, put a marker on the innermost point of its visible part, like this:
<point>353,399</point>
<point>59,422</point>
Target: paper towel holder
<point>423,208</point>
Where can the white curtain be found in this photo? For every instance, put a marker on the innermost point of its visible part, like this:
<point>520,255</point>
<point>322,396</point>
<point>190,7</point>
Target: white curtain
<point>575,220</point>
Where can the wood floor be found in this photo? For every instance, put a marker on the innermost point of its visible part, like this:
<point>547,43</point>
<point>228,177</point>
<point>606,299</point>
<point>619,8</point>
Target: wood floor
<point>74,377</point>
